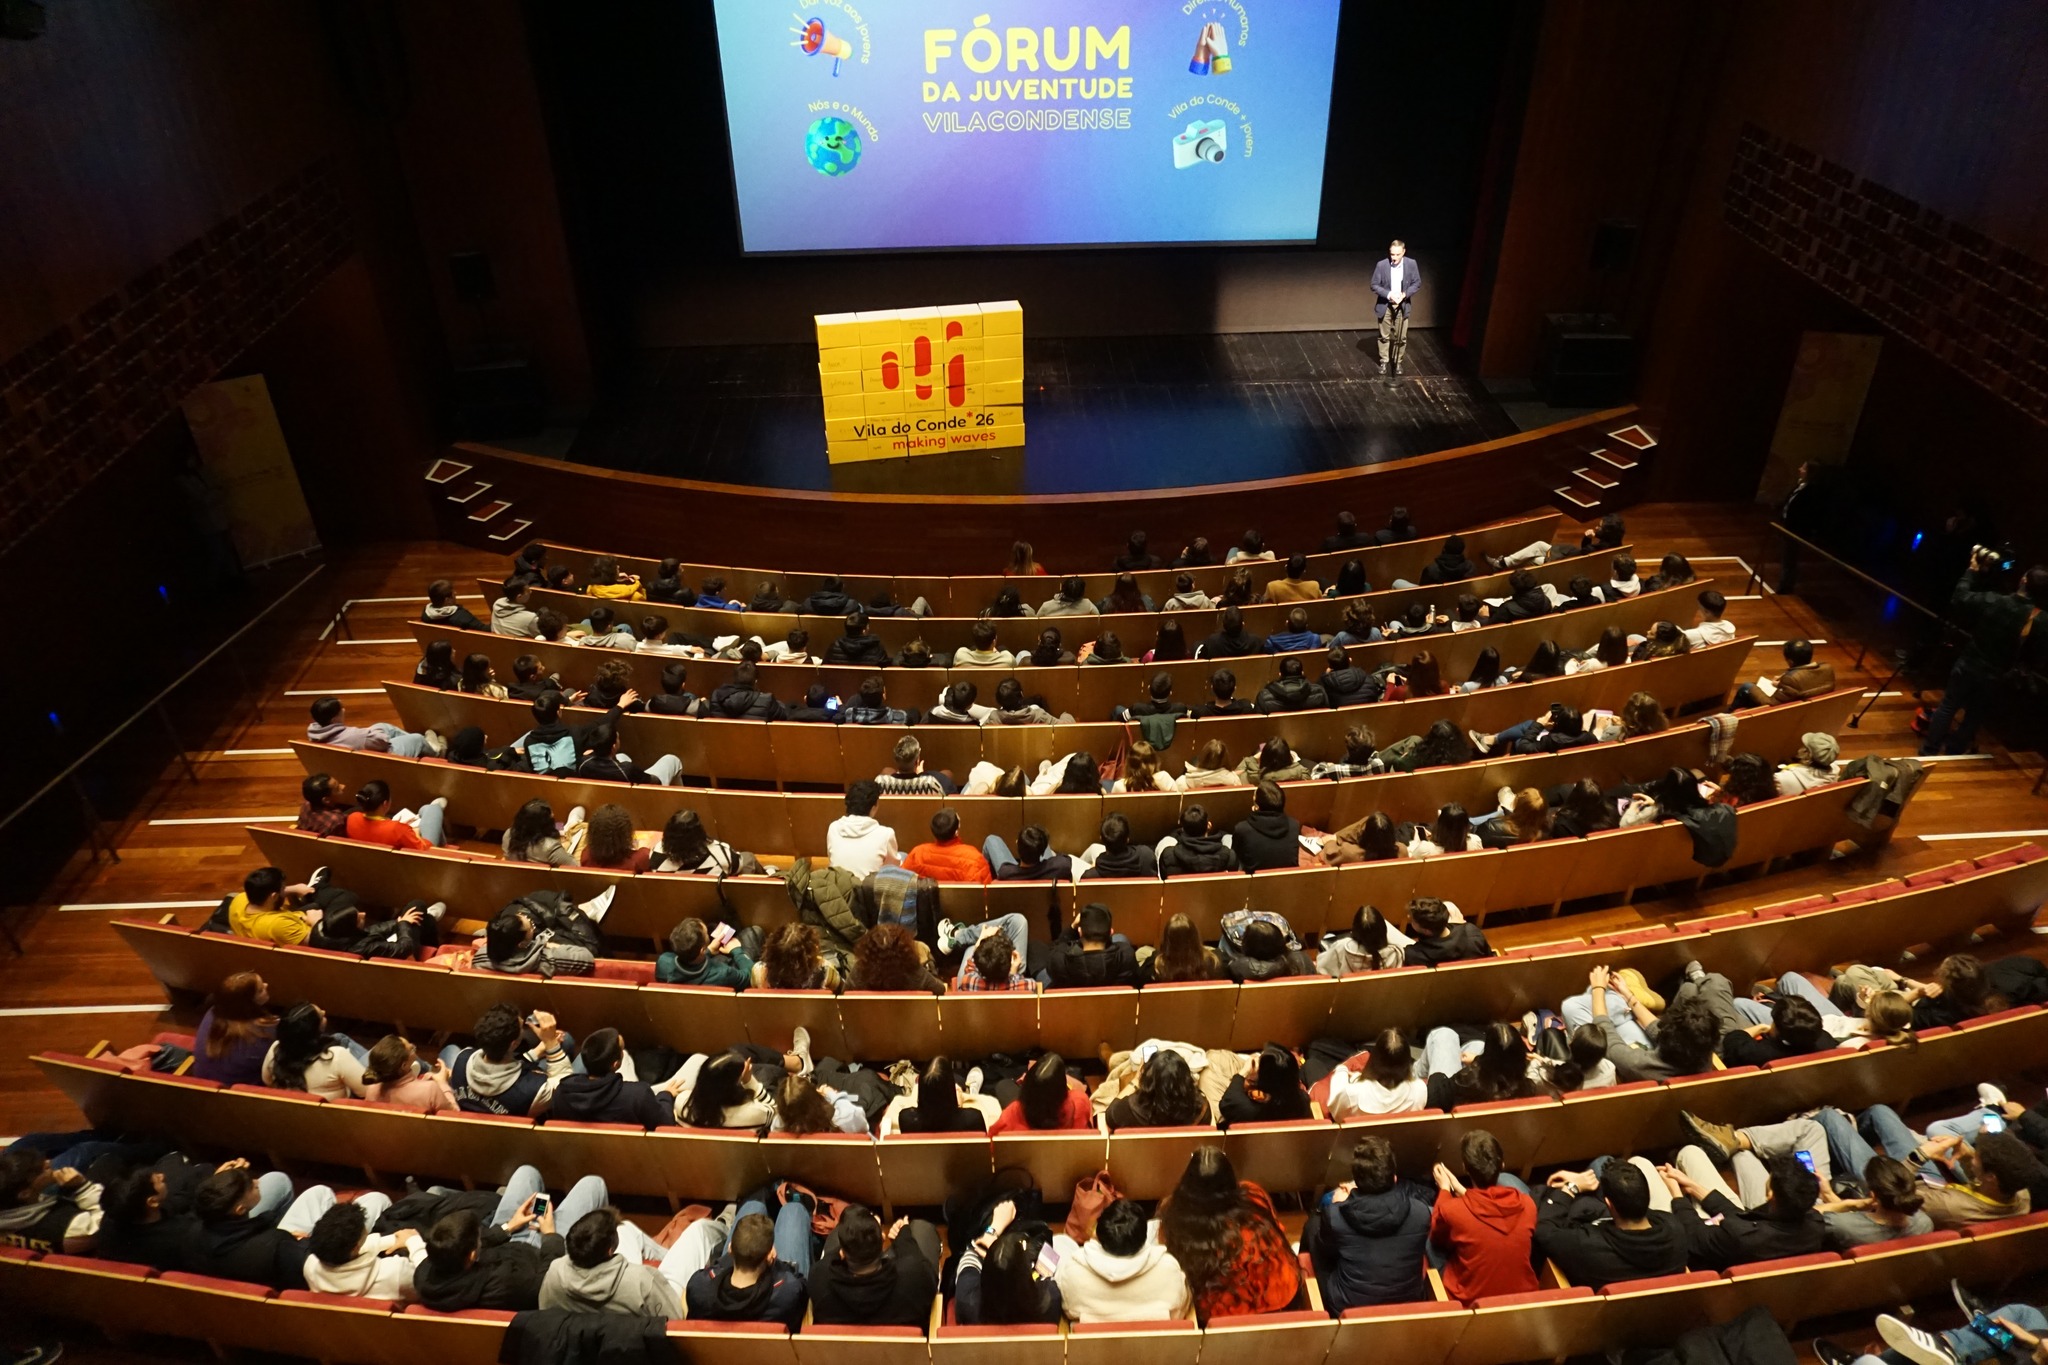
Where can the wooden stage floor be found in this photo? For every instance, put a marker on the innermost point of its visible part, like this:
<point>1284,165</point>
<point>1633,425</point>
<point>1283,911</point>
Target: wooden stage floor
<point>1179,411</point>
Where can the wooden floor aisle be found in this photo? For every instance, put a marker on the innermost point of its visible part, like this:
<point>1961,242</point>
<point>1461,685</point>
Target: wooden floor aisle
<point>75,983</point>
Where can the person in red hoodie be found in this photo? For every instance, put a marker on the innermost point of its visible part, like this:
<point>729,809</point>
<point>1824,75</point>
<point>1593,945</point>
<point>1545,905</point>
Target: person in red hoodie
<point>1482,1226</point>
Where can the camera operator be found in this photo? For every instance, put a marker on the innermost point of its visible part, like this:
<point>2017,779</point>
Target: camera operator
<point>2004,632</point>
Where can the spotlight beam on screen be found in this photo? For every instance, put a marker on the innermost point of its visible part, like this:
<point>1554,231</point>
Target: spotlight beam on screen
<point>1026,123</point>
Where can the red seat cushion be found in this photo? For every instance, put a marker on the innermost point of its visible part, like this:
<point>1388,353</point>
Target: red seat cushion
<point>420,1310</point>
<point>239,1288</point>
<point>125,1269</point>
<point>1655,1282</point>
<point>2012,1224</point>
<point>708,1326</point>
<point>861,1329</point>
<point>2028,853</point>
<point>1935,876</point>
<point>1391,1310</point>
<point>2015,1012</point>
<point>953,1331</point>
<point>1269,1319</point>
<point>1147,1327</point>
<point>1857,896</point>
<point>1721,922</point>
<point>1784,1263</point>
<point>620,969</point>
<point>1577,1291</point>
<point>1795,907</point>
<point>350,1301</point>
<point>2005,857</point>
<point>16,1254</point>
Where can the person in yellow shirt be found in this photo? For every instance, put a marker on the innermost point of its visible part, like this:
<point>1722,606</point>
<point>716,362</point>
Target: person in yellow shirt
<point>268,910</point>
<point>1297,586</point>
<point>607,581</point>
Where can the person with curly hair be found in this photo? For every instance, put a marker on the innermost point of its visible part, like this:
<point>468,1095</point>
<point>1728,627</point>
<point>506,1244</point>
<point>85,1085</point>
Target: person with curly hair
<point>793,959</point>
<point>609,842</point>
<point>1165,1097</point>
<point>888,957</point>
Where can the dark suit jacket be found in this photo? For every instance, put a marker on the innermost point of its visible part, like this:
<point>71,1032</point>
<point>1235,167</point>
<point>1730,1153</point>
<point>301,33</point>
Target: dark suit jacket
<point>1383,284</point>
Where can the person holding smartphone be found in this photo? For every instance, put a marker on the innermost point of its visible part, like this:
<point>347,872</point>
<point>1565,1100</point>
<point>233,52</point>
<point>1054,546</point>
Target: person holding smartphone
<point>2013,1332</point>
<point>1003,1275</point>
<point>502,1265</point>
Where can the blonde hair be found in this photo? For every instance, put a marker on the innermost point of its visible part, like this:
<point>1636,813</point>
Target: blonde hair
<point>1529,818</point>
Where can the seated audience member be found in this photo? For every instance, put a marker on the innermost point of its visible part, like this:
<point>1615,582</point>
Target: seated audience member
<point>502,1264</point>
<point>1274,762</point>
<point>1708,627</point>
<point>1259,945</point>
<point>1165,1097</point>
<point>1608,651</point>
<point>819,707</point>
<point>856,841</point>
<point>1450,566</point>
<point>1580,592</point>
<point>1296,636</point>
<point>946,858</point>
<point>1801,679</point>
<point>1142,772</point>
<point>608,841</point>
<point>1106,648</point>
<point>1525,600</point>
<point>1672,571</point>
<point>1487,672</point>
<point>994,963</point>
<point>1125,597</point>
<point>1121,1274</point>
<point>479,679</point>
<point>55,1209</point>
<point>829,598</point>
<point>533,836</point>
<point>1347,536</point>
<point>1421,677</point>
<point>888,957</point>
<point>1048,652</point>
<point>1032,861</point>
<point>686,848</point>
<point>1436,940</point>
<point>1229,1242</point>
<point>603,1271</point>
<point>1894,1208</point>
<point>667,585</point>
<point>1371,840</point>
<point>1350,582</point>
<point>603,629</point>
<point>327,727</point>
<point>908,777</point>
<point>1361,757</point>
<point>1813,766</point>
<point>1643,1045</point>
<point>510,614</point>
<point>998,1281</point>
<point>1388,1083</point>
<point>1361,626</point>
<point>1625,582</point>
<point>607,581</point>
<point>983,653</point>
<point>1370,945</point>
<point>957,707</point>
<point>347,1257</point>
<point>1116,855</point>
<point>1296,585</point>
<point>604,763</point>
<point>1187,597</point>
<point>1181,955</point>
<point>870,706</point>
<point>1291,691</point>
<point>1210,767</point>
<point>1774,1217</point>
<point>500,1073</point>
<point>1664,641</point>
<point>1048,1100</point>
<point>268,910</point>
<point>696,957</point>
<point>544,933</point>
<point>1137,556</point>
<point>756,1274</point>
<point>1450,833</point>
<point>675,698</point>
<point>1270,1092</point>
<point>394,1074</point>
<point>1195,848</point>
<point>1231,640</point>
<point>1964,1180</point>
<point>443,610</point>
<point>252,1230</point>
<point>1023,562</point>
<point>1560,727</point>
<point>530,681</point>
<point>322,807</point>
<point>1609,534</point>
<point>145,1214</point>
<point>307,1058</point>
<point>1223,698</point>
<point>1367,1236</point>
<point>1523,820</point>
<point>1071,600</point>
<point>1014,708</point>
<point>237,1029</point>
<point>742,698</point>
<point>1158,701</point>
<point>600,1092</point>
<point>1545,661</point>
<point>793,959</point>
<point>1089,952</point>
<point>1443,745</point>
<point>882,604</point>
<point>1609,1225</point>
<point>437,668</point>
<point>1482,1225</point>
<point>857,645</point>
<point>1399,528</point>
<point>1253,546</point>
<point>939,1104</point>
<point>875,1279</point>
<point>793,648</point>
<point>1343,682</point>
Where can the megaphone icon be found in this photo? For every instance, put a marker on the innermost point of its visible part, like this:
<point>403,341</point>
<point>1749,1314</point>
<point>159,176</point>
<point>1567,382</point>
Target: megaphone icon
<point>816,40</point>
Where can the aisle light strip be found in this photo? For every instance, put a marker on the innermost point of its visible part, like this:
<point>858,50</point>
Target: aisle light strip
<point>230,820</point>
<point>1990,834</point>
<point>82,1009</point>
<point>141,905</point>
<point>336,692</point>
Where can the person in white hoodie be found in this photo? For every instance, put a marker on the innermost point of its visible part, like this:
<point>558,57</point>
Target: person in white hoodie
<point>599,1276</point>
<point>1123,1275</point>
<point>347,1258</point>
<point>858,842</point>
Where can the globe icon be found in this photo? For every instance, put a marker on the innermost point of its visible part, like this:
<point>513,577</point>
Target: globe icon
<point>832,146</point>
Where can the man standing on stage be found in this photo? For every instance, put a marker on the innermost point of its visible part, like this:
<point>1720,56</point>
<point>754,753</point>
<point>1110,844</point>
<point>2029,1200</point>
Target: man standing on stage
<point>1394,282</point>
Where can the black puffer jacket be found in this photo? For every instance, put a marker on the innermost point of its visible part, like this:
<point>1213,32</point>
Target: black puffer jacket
<point>1291,694</point>
<point>745,703</point>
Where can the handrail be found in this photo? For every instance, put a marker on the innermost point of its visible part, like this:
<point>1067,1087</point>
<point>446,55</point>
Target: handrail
<point>1882,586</point>
<point>154,702</point>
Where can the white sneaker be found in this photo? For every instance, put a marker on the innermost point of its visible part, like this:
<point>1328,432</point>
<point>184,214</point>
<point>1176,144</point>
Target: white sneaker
<point>1990,1096</point>
<point>947,928</point>
<point>597,905</point>
<point>436,910</point>
<point>1923,1348</point>
<point>800,1044</point>
<point>320,874</point>
<point>973,1083</point>
<point>576,816</point>
<point>440,801</point>
<point>436,747</point>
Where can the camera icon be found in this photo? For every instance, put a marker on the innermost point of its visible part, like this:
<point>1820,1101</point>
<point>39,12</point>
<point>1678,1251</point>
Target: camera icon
<point>1204,140</point>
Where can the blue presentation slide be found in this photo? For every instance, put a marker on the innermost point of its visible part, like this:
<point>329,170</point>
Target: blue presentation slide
<point>878,125</point>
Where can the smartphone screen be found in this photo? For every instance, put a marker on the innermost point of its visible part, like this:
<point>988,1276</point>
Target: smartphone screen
<point>1985,1327</point>
<point>721,934</point>
<point>1049,1261</point>
<point>831,703</point>
<point>1806,1160</point>
<point>1993,1123</point>
<point>540,1205</point>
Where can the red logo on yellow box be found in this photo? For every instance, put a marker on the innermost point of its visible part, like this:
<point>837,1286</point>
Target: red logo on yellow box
<point>914,381</point>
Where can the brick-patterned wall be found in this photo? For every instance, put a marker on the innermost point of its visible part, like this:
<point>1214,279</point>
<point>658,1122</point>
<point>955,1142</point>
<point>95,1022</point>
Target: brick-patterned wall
<point>1979,306</point>
<point>72,402</point>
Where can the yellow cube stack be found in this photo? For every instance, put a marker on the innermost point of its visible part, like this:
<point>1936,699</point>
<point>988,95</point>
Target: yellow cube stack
<point>921,381</point>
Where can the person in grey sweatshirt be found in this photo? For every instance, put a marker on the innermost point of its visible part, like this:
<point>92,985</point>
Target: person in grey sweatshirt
<point>510,615</point>
<point>381,738</point>
<point>599,1276</point>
